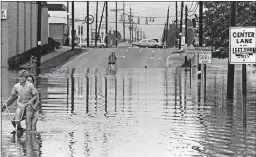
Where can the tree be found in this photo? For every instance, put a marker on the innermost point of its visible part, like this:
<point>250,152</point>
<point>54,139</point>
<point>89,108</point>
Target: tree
<point>217,22</point>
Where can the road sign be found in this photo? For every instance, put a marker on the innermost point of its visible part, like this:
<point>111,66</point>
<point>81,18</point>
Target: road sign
<point>90,20</point>
<point>242,45</point>
<point>205,55</point>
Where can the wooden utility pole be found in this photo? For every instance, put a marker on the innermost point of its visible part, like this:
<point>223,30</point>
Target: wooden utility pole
<point>87,20</point>
<point>181,18</point>
<point>68,23</point>
<point>167,26</point>
<point>130,20</point>
<point>116,23</point>
<point>124,19</point>
<point>96,24</point>
<point>231,67</point>
<point>106,24</point>
<point>73,25</point>
<point>176,6</point>
<point>132,29</point>
<point>101,19</point>
<point>186,31</point>
<point>39,43</point>
<point>200,35</point>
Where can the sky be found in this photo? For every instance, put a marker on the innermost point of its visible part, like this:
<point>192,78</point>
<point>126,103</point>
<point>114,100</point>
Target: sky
<point>142,9</point>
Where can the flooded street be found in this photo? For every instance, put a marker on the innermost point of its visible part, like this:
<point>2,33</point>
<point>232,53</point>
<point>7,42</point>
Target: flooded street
<point>139,112</point>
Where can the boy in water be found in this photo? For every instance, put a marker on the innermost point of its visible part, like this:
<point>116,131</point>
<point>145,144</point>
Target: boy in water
<point>26,93</point>
<point>32,112</point>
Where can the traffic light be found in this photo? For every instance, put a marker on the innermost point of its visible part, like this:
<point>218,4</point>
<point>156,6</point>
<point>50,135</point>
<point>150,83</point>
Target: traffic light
<point>121,17</point>
<point>150,19</point>
<point>153,19</point>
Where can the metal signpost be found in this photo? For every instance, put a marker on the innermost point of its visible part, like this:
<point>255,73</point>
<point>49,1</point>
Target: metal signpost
<point>242,50</point>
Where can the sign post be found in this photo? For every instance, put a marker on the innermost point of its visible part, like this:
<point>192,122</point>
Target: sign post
<point>242,50</point>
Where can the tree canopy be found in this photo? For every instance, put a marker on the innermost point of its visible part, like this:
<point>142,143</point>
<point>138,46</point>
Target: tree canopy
<point>216,21</point>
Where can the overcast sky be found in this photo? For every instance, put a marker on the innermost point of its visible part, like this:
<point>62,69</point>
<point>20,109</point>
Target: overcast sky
<point>142,9</point>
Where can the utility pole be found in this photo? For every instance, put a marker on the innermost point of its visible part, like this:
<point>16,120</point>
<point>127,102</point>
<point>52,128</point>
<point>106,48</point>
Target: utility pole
<point>200,35</point>
<point>124,20</point>
<point>101,18</point>
<point>167,25</point>
<point>68,23</point>
<point>106,24</point>
<point>132,29</point>
<point>73,25</point>
<point>231,67</point>
<point>116,23</point>
<point>39,23</point>
<point>186,30</point>
<point>130,20</point>
<point>181,16</point>
<point>96,23</point>
<point>176,30</point>
<point>87,20</point>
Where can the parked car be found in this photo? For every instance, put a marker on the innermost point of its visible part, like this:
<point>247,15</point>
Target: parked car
<point>150,43</point>
<point>92,44</point>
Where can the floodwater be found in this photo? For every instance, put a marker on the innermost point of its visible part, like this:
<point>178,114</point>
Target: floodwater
<point>138,113</point>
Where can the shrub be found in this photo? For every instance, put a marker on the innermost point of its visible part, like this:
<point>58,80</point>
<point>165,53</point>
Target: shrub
<point>24,57</point>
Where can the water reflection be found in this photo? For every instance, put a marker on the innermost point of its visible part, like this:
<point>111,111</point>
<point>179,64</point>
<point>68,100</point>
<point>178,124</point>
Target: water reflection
<point>147,112</point>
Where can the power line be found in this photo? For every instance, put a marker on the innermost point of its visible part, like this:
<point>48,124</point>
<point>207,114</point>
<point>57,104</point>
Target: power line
<point>193,12</point>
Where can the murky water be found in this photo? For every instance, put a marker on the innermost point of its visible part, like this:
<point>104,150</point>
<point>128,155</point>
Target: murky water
<point>139,113</point>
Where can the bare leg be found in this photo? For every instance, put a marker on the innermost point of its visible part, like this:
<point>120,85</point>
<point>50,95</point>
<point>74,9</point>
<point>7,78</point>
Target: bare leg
<point>29,115</point>
<point>34,120</point>
<point>18,115</point>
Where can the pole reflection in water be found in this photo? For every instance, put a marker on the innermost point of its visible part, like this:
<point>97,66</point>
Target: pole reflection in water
<point>67,91</point>
<point>71,143</point>
<point>106,97</point>
<point>96,93</point>
<point>123,95</point>
<point>185,91</point>
<point>72,89</point>
<point>87,93</point>
<point>175,90</point>
<point>115,92</point>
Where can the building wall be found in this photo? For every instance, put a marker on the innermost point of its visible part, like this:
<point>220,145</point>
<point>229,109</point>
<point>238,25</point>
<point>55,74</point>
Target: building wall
<point>4,34</point>
<point>44,32</point>
<point>19,30</point>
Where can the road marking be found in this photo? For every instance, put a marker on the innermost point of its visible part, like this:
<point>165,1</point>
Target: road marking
<point>141,49</point>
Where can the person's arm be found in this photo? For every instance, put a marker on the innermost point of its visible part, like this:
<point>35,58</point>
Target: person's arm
<point>30,102</point>
<point>36,103</point>
<point>9,101</point>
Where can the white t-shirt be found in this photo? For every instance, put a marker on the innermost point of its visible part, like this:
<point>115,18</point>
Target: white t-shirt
<point>25,92</point>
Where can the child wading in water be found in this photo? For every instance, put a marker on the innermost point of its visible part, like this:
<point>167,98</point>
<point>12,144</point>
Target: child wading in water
<point>26,93</point>
<point>32,112</point>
